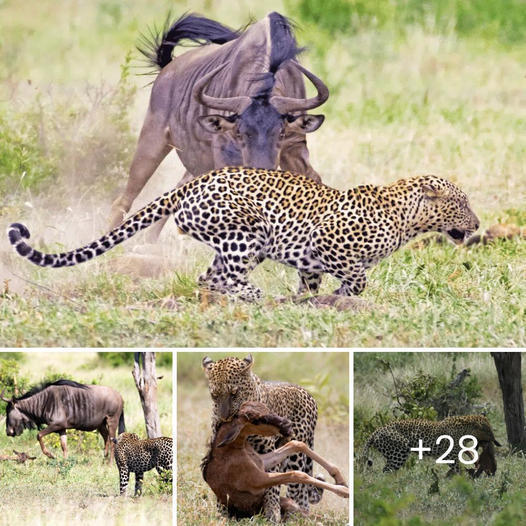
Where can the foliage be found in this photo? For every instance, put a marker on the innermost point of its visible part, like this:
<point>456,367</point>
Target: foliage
<point>330,402</point>
<point>165,482</point>
<point>24,161</point>
<point>125,358</point>
<point>116,358</point>
<point>422,395</point>
<point>79,442</point>
<point>76,141</point>
<point>11,380</point>
<point>502,21</point>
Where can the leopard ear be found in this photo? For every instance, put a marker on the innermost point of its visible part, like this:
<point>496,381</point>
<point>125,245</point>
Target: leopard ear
<point>207,363</point>
<point>249,361</point>
<point>431,192</point>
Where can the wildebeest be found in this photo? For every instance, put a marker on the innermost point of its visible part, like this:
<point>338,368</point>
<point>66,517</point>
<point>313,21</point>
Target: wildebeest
<point>66,404</point>
<point>238,99</point>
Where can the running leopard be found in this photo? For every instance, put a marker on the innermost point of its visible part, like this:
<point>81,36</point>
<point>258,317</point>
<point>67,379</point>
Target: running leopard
<point>247,215</point>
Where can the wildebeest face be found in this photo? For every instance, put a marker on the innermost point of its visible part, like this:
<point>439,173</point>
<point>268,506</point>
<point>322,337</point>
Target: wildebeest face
<point>16,421</point>
<point>260,124</point>
<point>260,131</point>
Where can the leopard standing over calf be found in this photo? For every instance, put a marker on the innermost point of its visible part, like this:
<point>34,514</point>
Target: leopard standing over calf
<point>134,455</point>
<point>232,382</point>
<point>247,215</point>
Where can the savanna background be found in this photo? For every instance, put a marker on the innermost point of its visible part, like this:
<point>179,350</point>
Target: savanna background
<point>417,86</point>
<point>82,489</point>
<point>389,386</point>
<point>324,375</point>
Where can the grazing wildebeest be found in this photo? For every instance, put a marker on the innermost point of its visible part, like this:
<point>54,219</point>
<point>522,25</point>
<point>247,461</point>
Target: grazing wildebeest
<point>66,404</point>
<point>250,77</point>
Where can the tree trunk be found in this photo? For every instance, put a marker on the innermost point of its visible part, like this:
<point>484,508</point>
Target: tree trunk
<point>146,382</point>
<point>508,365</point>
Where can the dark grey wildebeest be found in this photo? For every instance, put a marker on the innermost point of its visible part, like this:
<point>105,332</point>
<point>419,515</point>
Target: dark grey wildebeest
<point>238,99</point>
<point>65,404</point>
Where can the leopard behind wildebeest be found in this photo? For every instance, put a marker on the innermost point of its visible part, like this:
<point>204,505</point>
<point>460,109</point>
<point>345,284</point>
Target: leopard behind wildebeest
<point>231,382</point>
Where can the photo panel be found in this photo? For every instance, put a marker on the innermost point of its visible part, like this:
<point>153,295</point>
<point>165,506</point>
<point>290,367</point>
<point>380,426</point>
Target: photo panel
<point>303,393</point>
<point>439,427</point>
<point>81,429</point>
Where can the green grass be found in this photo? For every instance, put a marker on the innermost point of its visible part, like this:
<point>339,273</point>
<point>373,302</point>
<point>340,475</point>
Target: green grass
<point>416,87</point>
<point>405,497</point>
<point>432,296</point>
<point>83,487</point>
<point>196,503</point>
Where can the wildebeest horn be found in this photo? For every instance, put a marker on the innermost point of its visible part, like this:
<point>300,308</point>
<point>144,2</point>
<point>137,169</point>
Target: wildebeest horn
<point>232,104</point>
<point>289,104</point>
<point>2,396</point>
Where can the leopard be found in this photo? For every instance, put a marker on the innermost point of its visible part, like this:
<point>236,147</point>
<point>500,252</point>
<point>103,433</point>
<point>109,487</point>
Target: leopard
<point>395,440</point>
<point>247,215</point>
<point>134,455</point>
<point>232,382</point>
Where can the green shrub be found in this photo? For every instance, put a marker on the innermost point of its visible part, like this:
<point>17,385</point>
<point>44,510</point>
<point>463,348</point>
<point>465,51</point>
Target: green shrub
<point>11,381</point>
<point>164,482</point>
<point>79,442</point>
<point>71,140</point>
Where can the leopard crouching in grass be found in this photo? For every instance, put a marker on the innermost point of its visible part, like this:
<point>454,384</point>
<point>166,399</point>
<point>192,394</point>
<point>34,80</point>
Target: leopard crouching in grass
<point>231,383</point>
<point>134,455</point>
<point>395,440</point>
<point>247,215</point>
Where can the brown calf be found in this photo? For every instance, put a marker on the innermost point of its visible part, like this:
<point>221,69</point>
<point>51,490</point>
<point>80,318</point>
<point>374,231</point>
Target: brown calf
<point>237,474</point>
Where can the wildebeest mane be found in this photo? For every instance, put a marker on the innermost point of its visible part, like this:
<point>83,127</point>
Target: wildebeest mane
<point>40,387</point>
<point>284,47</point>
<point>158,43</point>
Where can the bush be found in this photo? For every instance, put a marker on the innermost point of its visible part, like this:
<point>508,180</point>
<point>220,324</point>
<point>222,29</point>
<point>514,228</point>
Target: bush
<point>10,380</point>
<point>427,396</point>
<point>68,139</point>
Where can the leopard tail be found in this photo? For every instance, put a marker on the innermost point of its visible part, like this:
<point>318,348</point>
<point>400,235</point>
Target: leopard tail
<point>146,216</point>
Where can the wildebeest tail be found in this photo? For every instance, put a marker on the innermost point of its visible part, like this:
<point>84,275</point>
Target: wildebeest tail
<point>122,425</point>
<point>142,219</point>
<point>158,44</point>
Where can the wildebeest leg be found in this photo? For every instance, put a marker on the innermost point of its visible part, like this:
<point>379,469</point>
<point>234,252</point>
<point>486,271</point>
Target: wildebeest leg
<point>64,443</point>
<point>152,148</point>
<point>295,158</point>
<point>295,446</point>
<point>138,482</point>
<point>154,231</point>
<point>309,282</point>
<point>52,428</point>
<point>112,424</point>
<point>103,430</point>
